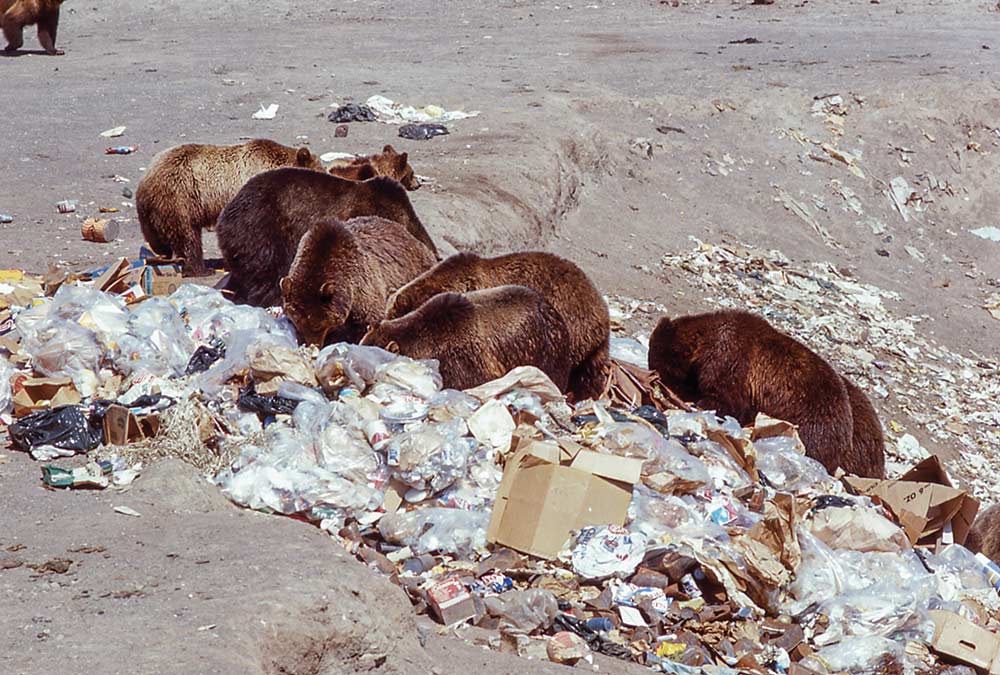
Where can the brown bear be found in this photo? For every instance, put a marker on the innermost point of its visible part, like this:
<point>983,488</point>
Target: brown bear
<point>187,186</point>
<point>737,364</point>
<point>481,335</point>
<point>260,229</point>
<point>867,454</point>
<point>560,282</point>
<point>343,273</point>
<point>16,14</point>
<point>984,535</point>
<point>387,163</point>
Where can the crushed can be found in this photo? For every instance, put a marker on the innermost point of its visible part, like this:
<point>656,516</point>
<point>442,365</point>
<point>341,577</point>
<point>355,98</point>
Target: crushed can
<point>121,150</point>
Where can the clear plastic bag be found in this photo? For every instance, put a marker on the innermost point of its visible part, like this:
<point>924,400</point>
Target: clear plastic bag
<point>63,348</point>
<point>436,529</point>
<point>419,377</point>
<point>346,365</point>
<point>790,471</point>
<point>523,612</point>
<point>6,391</point>
<point>630,350</point>
<point>156,340</point>
<point>430,456</point>
<point>861,655</point>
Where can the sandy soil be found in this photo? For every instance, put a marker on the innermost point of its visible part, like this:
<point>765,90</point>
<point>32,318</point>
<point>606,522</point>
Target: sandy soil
<point>552,162</point>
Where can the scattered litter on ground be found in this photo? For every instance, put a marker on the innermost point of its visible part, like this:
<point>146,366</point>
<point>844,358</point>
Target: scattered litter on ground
<point>392,112</point>
<point>422,132</point>
<point>121,150</point>
<point>113,133</point>
<point>352,112</point>
<point>266,113</point>
<point>991,233</point>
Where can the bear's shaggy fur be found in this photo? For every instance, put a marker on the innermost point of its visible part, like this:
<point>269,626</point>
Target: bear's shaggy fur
<point>388,163</point>
<point>343,273</point>
<point>984,535</point>
<point>737,364</point>
<point>260,229</point>
<point>561,283</point>
<point>16,14</point>
<point>187,186</point>
<point>867,456</point>
<point>481,335</point>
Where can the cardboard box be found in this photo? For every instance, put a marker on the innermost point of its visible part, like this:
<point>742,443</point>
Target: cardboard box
<point>121,427</point>
<point>161,279</point>
<point>39,393</point>
<point>961,640</point>
<point>549,489</point>
<point>924,501</point>
<point>451,601</point>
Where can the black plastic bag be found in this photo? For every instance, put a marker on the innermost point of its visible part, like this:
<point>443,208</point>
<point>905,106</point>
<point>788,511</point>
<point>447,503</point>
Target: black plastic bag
<point>421,132</point>
<point>205,356</point>
<point>352,112</point>
<point>70,427</point>
<point>251,401</point>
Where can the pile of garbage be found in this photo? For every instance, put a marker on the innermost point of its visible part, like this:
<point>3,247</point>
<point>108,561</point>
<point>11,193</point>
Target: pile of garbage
<point>954,398</point>
<point>667,537</point>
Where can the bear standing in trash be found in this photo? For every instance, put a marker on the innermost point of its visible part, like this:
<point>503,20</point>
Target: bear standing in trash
<point>737,364</point>
<point>481,335</point>
<point>187,186</point>
<point>342,274</point>
<point>561,283</point>
<point>16,14</point>
<point>260,229</point>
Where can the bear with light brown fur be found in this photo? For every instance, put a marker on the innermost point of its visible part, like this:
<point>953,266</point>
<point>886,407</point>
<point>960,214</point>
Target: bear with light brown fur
<point>388,163</point>
<point>343,273</point>
<point>737,364</point>
<point>560,282</point>
<point>481,335</point>
<point>187,186</point>
<point>260,229</point>
<point>16,14</point>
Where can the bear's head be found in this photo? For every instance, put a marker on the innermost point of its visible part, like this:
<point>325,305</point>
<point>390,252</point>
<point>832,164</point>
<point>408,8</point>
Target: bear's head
<point>395,165</point>
<point>318,313</point>
<point>305,159</point>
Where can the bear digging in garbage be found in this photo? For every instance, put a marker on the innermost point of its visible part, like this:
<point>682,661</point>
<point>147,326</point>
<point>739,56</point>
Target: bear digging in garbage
<point>481,335</point>
<point>187,186</point>
<point>561,283</point>
<point>342,274</point>
<point>16,14</point>
<point>737,364</point>
<point>260,229</point>
<point>387,163</point>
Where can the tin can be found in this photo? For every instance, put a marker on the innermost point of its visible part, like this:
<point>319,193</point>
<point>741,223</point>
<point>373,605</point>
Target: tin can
<point>4,218</point>
<point>66,206</point>
<point>121,150</point>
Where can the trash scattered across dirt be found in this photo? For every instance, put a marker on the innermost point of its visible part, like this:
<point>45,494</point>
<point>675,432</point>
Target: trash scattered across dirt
<point>352,112</point>
<point>422,132</point>
<point>391,112</point>
<point>266,113</point>
<point>629,526</point>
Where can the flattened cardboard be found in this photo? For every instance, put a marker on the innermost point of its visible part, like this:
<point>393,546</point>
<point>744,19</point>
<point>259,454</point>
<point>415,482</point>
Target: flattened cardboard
<point>39,393</point>
<point>549,489</point>
<point>924,501</point>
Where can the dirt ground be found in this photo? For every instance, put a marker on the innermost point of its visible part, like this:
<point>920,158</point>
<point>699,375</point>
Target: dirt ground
<point>611,133</point>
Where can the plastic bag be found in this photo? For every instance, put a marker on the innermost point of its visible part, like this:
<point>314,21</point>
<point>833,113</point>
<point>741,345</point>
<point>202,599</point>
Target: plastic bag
<point>346,365</point>
<point>422,132</point>
<point>64,349</point>
<point>855,526</point>
<point>251,401</point>
<point>436,529</point>
<point>430,456</point>
<point>6,391</point>
<point>607,551</point>
<point>204,356</point>
<point>156,340</point>
<point>523,612</point>
<point>419,377</point>
<point>788,470</point>
<point>630,350</point>
<point>68,427</point>
<point>861,655</point>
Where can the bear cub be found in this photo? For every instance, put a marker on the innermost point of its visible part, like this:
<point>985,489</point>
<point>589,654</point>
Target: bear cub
<point>481,335</point>
<point>343,273</point>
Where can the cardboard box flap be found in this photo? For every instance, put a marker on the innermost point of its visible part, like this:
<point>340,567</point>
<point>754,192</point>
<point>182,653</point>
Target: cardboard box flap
<point>624,469</point>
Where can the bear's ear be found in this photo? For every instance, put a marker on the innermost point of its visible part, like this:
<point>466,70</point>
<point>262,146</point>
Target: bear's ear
<point>389,150</point>
<point>286,287</point>
<point>303,157</point>
<point>326,291</point>
<point>392,346</point>
<point>401,160</point>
